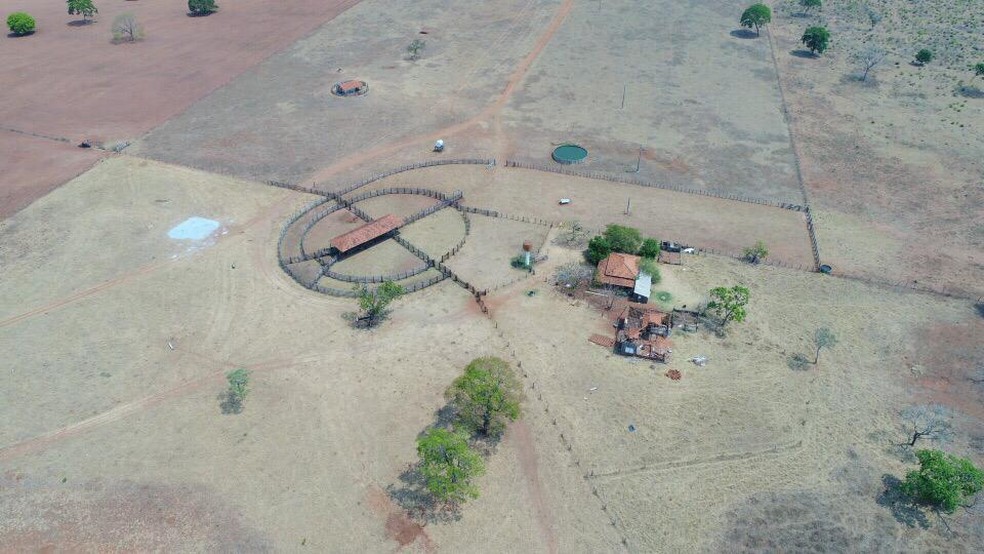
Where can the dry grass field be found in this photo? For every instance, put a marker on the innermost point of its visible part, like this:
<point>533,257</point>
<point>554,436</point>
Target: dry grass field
<point>117,338</point>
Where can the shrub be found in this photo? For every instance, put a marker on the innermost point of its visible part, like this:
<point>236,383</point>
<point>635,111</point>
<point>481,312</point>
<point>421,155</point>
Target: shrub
<point>20,23</point>
<point>924,56</point>
<point>202,7</point>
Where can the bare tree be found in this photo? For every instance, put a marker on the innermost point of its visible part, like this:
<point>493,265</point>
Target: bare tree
<point>126,28</point>
<point>573,275</point>
<point>927,421</point>
<point>823,338</point>
<point>868,59</point>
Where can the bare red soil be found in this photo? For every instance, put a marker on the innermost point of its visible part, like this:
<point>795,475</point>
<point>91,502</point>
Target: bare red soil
<point>69,80</point>
<point>31,167</point>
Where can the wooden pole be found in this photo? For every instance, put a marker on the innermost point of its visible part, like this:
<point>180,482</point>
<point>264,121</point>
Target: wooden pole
<point>623,97</point>
<point>628,205</point>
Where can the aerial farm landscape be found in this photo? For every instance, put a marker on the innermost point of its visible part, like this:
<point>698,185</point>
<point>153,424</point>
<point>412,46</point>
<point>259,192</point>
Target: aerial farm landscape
<point>499,276</point>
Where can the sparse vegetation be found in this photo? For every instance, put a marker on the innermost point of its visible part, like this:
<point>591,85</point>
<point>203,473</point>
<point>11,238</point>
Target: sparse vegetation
<point>85,8</point>
<point>756,16</point>
<point>755,254</point>
<point>374,303</point>
<point>448,465</point>
<point>486,397</point>
<point>20,23</point>
<point>816,39</point>
<point>728,304</point>
<point>126,28</point>
<point>943,482</point>
<point>978,70</point>
<point>927,421</point>
<point>202,7</point>
<point>810,5</point>
<point>414,48</point>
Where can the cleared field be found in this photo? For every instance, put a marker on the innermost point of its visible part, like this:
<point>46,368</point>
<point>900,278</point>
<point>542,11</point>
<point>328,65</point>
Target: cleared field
<point>32,167</point>
<point>494,242</point>
<point>130,422</point>
<point>703,104</point>
<point>251,129</point>
<point>698,220</point>
<point>892,164</point>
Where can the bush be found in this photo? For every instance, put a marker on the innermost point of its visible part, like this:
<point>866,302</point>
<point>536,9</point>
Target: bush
<point>519,262</point>
<point>20,23</point>
<point>598,249</point>
<point>202,7</point>
<point>924,56</point>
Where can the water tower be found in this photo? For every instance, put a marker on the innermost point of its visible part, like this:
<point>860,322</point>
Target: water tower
<point>527,247</point>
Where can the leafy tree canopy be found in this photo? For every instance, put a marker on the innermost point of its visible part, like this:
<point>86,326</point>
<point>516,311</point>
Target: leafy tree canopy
<point>816,39</point>
<point>755,254</point>
<point>202,7</point>
<point>486,397</point>
<point>85,8</point>
<point>729,303</point>
<point>979,69</point>
<point>373,303</point>
<point>623,239</point>
<point>449,465</point>
<point>755,16</point>
<point>651,268</point>
<point>924,56</point>
<point>598,249</point>
<point>943,481</point>
<point>649,249</point>
<point>20,23</point>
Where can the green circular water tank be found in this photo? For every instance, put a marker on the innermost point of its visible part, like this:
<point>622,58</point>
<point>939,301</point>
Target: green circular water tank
<point>569,154</point>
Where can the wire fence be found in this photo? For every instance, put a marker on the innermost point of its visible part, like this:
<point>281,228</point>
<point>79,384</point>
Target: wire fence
<point>565,170</point>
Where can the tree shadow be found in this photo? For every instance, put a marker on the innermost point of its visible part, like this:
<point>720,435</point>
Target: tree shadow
<point>805,54</point>
<point>799,362</point>
<point>229,403</point>
<point>980,308</point>
<point>971,92</point>
<point>80,22</point>
<point>412,496</point>
<point>743,33</point>
<point>19,35</point>
<point>903,509</point>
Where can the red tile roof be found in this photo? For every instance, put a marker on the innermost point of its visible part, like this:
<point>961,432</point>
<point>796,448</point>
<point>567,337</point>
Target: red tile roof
<point>366,233</point>
<point>350,85</point>
<point>618,269</point>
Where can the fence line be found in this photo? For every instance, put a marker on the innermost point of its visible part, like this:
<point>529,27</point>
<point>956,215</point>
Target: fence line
<point>563,170</point>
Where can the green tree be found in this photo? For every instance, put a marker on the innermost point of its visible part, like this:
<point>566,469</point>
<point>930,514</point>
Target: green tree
<point>649,249</point>
<point>823,338</point>
<point>623,239</point>
<point>449,465</point>
<point>85,8</point>
<point>374,302</point>
<point>978,70</point>
<point>20,23</point>
<point>729,304</point>
<point>415,47</point>
<point>755,254</point>
<point>924,56</point>
<point>816,39</point>
<point>598,249</point>
<point>237,391</point>
<point>809,5</point>
<point>943,481</point>
<point>755,16</point>
<point>486,397</point>
<point>202,7</point>
<point>651,268</point>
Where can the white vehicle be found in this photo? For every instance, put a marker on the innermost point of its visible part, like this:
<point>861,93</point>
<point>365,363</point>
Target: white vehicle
<point>565,201</point>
